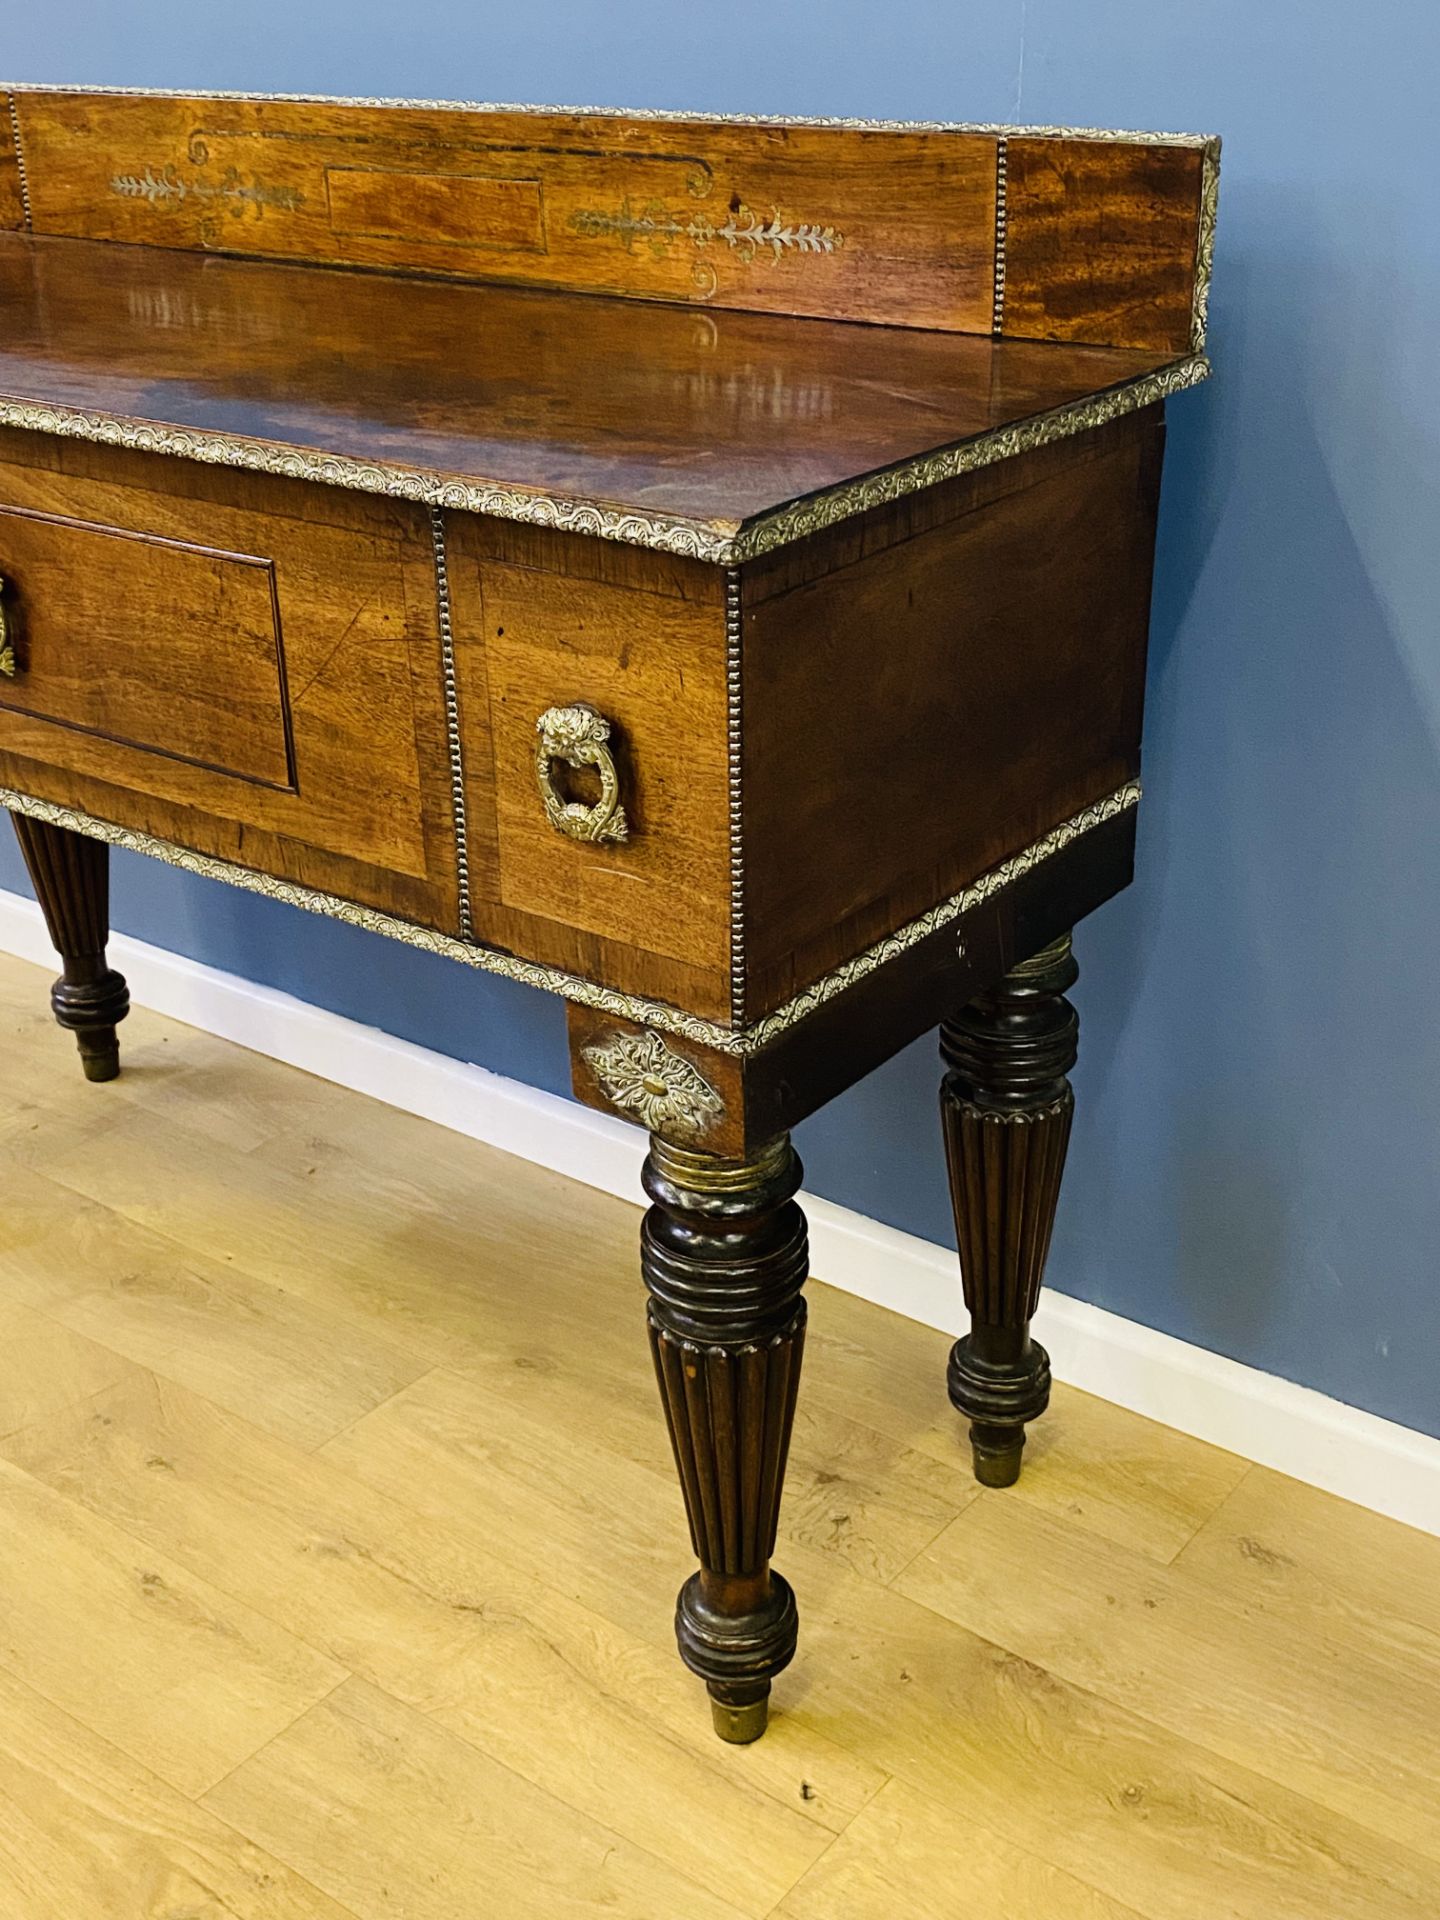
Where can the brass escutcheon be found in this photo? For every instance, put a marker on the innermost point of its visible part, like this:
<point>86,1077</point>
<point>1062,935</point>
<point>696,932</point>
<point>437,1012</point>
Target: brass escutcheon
<point>578,736</point>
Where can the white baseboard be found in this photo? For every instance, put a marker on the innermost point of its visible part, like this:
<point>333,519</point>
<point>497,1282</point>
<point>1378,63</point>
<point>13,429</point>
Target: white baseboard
<point>1376,1463</point>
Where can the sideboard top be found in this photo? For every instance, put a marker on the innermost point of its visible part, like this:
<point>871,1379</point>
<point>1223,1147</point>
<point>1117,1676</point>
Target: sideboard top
<point>628,324</point>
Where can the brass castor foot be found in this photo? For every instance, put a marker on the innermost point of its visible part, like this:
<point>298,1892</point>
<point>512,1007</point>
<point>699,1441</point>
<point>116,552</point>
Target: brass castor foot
<point>99,1058</point>
<point>996,1453</point>
<point>740,1722</point>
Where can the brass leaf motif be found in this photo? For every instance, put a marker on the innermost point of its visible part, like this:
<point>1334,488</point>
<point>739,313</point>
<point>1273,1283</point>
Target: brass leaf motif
<point>641,1075</point>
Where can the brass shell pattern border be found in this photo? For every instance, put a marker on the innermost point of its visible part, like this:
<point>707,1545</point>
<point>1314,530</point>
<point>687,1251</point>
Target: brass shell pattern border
<point>860,125</point>
<point>718,543</point>
<point>588,993</point>
<point>820,510</point>
<point>1205,244</point>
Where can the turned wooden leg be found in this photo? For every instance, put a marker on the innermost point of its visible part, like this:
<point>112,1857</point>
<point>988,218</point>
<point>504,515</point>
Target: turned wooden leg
<point>1006,1107</point>
<point>724,1254</point>
<point>72,881</point>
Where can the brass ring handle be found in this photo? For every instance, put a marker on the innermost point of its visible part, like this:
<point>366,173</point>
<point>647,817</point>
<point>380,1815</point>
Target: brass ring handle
<point>578,736</point>
<point>8,663</point>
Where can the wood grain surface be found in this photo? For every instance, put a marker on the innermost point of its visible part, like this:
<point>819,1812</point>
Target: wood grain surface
<point>424,1631</point>
<point>712,417</point>
<point>544,620</point>
<point>1099,236</point>
<point>889,224</point>
<point>246,666</point>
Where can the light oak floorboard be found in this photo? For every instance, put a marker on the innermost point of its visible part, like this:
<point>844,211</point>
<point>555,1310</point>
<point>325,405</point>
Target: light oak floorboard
<point>551,1689</point>
<point>179,1675</point>
<point>907,1855</point>
<point>1310,1562</point>
<point>371,1774</point>
<point>1334,1714</point>
<point>85,1833</point>
<point>369,1400</point>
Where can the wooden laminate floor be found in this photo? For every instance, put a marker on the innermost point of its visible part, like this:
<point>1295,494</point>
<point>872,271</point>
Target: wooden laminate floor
<point>339,1544</point>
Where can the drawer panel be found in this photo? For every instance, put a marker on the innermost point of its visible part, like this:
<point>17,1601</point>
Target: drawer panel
<point>160,644</point>
<point>247,666</point>
<point>546,621</point>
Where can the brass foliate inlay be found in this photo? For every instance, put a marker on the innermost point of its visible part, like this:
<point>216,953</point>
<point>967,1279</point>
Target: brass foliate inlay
<point>638,1073</point>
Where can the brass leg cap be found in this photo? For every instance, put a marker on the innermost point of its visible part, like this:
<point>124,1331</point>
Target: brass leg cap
<point>101,1066</point>
<point>997,1466</point>
<point>740,1725</point>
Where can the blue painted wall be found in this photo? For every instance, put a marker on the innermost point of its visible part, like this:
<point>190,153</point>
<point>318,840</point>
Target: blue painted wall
<point>1256,1161</point>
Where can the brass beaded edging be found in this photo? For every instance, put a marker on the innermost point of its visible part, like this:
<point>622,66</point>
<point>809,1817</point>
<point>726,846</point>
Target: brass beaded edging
<point>1002,236</point>
<point>14,113</point>
<point>589,993</point>
<point>451,692</point>
<point>734,736</point>
<point>719,543</point>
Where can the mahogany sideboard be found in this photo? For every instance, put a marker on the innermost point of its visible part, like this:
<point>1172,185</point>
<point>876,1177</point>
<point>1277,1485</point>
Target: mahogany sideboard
<point>697,566</point>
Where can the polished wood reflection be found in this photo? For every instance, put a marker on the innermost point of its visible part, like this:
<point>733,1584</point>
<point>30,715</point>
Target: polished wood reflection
<point>707,416</point>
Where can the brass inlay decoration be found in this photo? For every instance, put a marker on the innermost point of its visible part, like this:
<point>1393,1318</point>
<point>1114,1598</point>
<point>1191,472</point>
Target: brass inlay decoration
<point>7,639</point>
<point>737,1042</point>
<point>722,543</point>
<point>638,1073</point>
<point>579,737</point>
<point>746,234</point>
<point>232,189</point>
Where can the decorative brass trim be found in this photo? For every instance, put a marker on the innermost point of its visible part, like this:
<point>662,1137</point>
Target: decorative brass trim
<point>1205,244</point>
<point>639,1074</point>
<point>233,190</point>
<point>860,125</point>
<point>713,1177</point>
<point>656,225</point>
<point>914,931</point>
<point>25,208</point>
<point>734,807</point>
<point>588,993</point>
<point>1041,963</point>
<point>580,737</point>
<point>7,639</point>
<point>451,694</point>
<point>1002,232</point>
<point>717,542</point>
<point>819,510</point>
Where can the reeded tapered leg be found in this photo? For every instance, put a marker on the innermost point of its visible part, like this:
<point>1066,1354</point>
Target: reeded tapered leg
<point>724,1254</point>
<point>1006,1107</point>
<point>72,881</point>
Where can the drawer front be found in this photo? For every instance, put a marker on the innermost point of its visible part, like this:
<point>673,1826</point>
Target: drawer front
<point>634,644</point>
<point>245,666</point>
<point>163,645</point>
